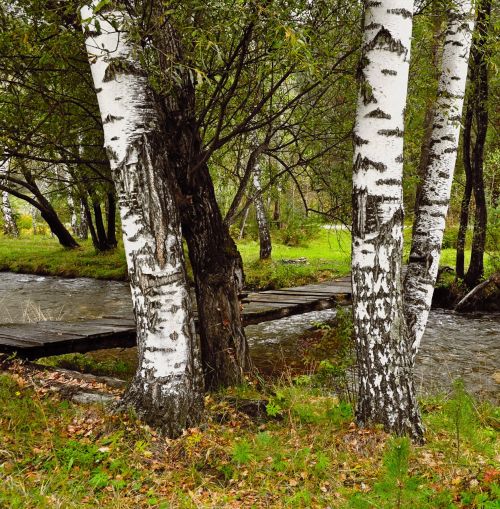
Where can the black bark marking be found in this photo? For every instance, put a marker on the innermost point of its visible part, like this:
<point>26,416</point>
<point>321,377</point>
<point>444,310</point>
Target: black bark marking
<point>451,150</point>
<point>373,26</point>
<point>401,12</point>
<point>111,118</point>
<point>365,163</point>
<point>432,203</point>
<point>391,132</point>
<point>119,65</point>
<point>399,159</point>
<point>378,113</point>
<point>359,141</point>
<point>389,72</point>
<point>385,40</point>
<point>388,182</point>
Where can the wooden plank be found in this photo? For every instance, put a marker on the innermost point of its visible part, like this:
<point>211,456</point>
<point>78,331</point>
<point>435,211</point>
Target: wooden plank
<point>20,343</point>
<point>34,340</point>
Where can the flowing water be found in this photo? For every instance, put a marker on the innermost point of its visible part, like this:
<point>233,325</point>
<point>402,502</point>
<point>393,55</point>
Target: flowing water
<point>465,346</point>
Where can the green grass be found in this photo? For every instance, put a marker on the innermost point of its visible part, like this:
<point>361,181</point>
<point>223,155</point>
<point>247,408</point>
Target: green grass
<point>44,255</point>
<point>55,453</point>
<point>327,255</point>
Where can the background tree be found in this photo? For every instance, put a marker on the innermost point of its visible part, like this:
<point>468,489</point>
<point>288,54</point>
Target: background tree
<point>432,207</point>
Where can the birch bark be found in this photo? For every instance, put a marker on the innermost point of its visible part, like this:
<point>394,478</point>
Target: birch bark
<point>386,393</point>
<point>9,223</point>
<point>262,224</point>
<point>435,195</point>
<point>167,390</point>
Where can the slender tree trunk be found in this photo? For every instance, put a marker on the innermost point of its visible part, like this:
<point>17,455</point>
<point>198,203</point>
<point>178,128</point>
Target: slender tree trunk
<point>243,223</point>
<point>430,220</point>
<point>277,211</point>
<point>90,224</point>
<point>216,262</point>
<point>425,148</point>
<point>386,392</point>
<point>262,224</point>
<point>9,223</point>
<point>167,390</point>
<point>465,205</point>
<point>99,224</point>
<point>83,228</point>
<point>73,215</point>
<point>111,220</point>
<point>479,61</point>
<point>33,211</point>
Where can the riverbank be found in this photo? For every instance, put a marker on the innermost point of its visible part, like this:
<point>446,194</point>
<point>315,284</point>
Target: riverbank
<point>325,256</point>
<point>298,448</point>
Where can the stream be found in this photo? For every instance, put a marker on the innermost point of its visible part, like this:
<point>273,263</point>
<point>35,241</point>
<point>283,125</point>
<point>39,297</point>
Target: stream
<point>454,345</point>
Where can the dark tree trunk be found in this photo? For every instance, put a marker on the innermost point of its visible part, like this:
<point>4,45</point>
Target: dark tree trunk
<point>49,214</point>
<point>479,61</point>
<point>464,208</point>
<point>90,224</point>
<point>216,262</point>
<point>111,220</point>
<point>99,225</point>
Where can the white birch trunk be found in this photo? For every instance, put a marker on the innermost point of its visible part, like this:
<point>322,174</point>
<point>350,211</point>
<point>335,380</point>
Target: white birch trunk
<point>260,213</point>
<point>167,390</point>
<point>386,389</point>
<point>9,223</point>
<point>83,229</point>
<point>435,194</point>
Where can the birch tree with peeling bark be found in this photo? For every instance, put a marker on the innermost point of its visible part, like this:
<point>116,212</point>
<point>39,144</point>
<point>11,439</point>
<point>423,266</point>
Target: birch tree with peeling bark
<point>386,392</point>
<point>435,194</point>
<point>167,390</point>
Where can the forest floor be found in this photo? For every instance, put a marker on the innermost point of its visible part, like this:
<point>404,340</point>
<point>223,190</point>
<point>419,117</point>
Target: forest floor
<point>324,255</point>
<point>299,448</point>
<point>287,441</point>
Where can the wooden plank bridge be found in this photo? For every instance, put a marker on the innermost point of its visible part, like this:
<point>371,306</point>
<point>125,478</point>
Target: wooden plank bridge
<point>41,339</point>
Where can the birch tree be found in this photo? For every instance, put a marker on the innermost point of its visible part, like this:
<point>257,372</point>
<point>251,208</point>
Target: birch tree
<point>9,223</point>
<point>435,194</point>
<point>167,390</point>
<point>386,391</point>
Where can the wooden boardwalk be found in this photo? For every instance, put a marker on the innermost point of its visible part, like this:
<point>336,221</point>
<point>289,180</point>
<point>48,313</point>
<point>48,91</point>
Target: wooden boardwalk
<point>40,339</point>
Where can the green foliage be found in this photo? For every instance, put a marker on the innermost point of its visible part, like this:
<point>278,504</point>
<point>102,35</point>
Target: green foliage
<point>335,351</point>
<point>461,413</point>
<point>299,231</point>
